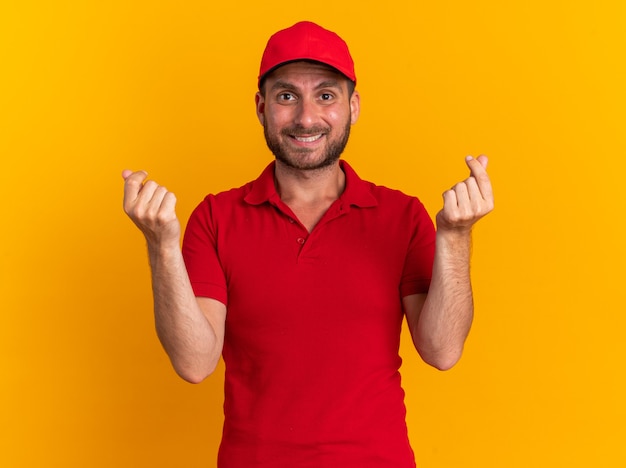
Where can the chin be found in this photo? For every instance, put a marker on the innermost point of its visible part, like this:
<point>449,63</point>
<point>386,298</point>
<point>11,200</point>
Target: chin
<point>306,165</point>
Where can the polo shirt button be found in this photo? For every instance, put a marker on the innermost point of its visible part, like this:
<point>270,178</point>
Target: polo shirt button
<point>300,240</point>
<point>291,220</point>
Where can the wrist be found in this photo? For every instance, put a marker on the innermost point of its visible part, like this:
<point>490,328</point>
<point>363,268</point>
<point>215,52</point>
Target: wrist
<point>163,249</point>
<point>454,235</point>
<point>456,242</point>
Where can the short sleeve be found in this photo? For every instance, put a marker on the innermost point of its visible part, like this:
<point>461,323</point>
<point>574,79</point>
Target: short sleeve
<point>418,265</point>
<point>201,255</point>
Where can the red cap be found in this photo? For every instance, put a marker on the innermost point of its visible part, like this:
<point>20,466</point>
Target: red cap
<point>307,41</point>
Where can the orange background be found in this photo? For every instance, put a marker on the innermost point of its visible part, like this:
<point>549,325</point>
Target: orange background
<point>90,88</point>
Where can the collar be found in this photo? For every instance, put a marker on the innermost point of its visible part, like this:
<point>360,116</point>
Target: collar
<point>357,192</point>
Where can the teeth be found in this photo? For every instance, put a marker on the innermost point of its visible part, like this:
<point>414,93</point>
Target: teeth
<point>308,139</point>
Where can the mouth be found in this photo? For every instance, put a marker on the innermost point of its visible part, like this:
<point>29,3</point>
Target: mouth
<point>307,139</point>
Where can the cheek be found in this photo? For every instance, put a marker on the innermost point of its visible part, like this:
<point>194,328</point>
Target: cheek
<point>277,118</point>
<point>338,118</point>
<point>333,115</point>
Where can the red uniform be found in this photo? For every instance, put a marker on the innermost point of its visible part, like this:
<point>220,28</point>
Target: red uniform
<point>313,322</point>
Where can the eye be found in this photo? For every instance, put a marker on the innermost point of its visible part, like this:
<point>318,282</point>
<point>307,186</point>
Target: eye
<point>326,96</point>
<point>286,97</point>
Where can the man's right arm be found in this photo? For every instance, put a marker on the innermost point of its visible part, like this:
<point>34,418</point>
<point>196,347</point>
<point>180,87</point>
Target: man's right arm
<point>190,329</point>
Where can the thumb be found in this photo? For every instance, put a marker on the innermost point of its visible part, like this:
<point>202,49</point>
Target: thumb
<point>471,162</point>
<point>126,173</point>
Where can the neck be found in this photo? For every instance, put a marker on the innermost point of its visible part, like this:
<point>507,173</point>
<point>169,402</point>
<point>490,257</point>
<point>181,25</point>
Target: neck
<point>309,187</point>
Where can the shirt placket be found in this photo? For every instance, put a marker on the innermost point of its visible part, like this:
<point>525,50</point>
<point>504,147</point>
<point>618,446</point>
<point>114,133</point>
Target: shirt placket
<point>297,235</point>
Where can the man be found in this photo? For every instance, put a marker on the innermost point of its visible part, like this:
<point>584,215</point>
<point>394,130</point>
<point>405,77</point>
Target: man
<point>301,278</point>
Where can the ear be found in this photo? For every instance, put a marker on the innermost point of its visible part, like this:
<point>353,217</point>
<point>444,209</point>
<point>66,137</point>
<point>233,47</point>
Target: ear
<point>355,107</point>
<point>260,107</point>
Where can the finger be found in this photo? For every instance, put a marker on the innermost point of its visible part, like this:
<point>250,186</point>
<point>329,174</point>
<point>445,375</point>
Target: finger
<point>477,170</point>
<point>154,203</point>
<point>126,173</point>
<point>484,160</point>
<point>147,192</point>
<point>475,165</point>
<point>449,214</point>
<point>168,206</point>
<point>461,192</point>
<point>476,201</point>
<point>450,201</point>
<point>464,204</point>
<point>134,179</point>
<point>133,184</point>
<point>473,190</point>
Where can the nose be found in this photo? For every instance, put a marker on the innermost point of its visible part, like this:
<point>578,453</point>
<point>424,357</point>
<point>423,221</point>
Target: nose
<point>306,114</point>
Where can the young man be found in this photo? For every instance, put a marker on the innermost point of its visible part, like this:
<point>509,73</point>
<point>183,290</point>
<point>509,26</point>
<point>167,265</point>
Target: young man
<point>301,278</point>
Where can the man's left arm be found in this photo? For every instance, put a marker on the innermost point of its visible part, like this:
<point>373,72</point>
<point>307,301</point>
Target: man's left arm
<point>440,320</point>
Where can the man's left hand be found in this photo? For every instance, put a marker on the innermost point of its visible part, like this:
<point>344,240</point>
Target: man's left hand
<point>469,200</point>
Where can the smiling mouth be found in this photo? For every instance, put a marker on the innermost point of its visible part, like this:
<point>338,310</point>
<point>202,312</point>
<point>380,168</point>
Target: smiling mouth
<point>307,139</point>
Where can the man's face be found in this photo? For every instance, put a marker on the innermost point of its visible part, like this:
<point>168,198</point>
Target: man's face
<point>306,112</point>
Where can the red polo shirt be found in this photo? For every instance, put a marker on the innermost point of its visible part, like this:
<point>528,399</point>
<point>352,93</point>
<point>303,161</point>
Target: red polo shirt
<point>313,323</point>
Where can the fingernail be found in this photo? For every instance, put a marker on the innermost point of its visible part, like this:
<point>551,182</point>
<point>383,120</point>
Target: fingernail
<point>469,158</point>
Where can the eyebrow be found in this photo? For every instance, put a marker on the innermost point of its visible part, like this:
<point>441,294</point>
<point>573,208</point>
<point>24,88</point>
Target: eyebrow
<point>290,87</point>
<point>330,84</point>
<point>283,85</point>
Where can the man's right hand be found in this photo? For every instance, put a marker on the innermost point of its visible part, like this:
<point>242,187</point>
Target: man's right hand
<point>191,329</point>
<point>152,208</point>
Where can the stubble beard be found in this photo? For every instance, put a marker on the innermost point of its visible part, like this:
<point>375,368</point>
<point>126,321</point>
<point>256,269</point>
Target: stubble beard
<point>290,157</point>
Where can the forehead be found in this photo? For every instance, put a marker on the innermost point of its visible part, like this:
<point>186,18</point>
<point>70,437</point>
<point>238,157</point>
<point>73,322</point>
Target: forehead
<point>303,71</point>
